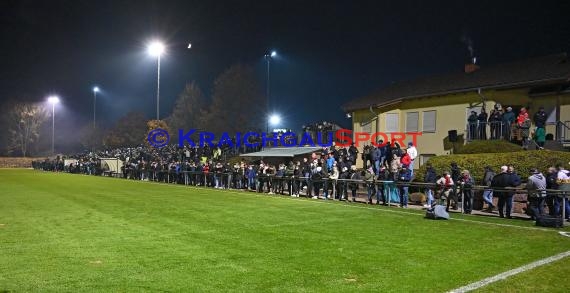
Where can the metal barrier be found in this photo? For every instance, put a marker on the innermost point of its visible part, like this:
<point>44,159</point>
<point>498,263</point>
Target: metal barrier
<point>338,187</point>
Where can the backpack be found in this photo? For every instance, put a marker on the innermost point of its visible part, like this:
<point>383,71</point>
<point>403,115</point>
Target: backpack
<point>437,213</point>
<point>549,221</point>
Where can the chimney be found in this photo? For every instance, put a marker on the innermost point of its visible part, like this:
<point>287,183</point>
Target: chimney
<point>471,67</point>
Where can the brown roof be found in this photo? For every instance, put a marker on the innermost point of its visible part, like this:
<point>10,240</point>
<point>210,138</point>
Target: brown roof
<point>540,70</point>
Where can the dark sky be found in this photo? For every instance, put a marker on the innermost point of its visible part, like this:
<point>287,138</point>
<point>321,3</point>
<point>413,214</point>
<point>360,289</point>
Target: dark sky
<point>329,51</point>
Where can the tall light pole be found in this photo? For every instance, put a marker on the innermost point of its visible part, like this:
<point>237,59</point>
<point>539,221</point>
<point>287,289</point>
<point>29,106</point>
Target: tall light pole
<point>268,58</point>
<point>95,91</point>
<point>53,100</point>
<point>156,49</point>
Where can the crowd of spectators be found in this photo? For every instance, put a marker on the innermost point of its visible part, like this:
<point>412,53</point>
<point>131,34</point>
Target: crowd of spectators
<point>504,124</point>
<point>330,173</point>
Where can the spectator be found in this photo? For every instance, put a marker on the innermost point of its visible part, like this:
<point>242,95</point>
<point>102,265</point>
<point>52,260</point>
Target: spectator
<point>488,192</point>
<point>431,178</point>
<point>540,118</point>
<point>413,152</point>
<point>495,120</point>
<point>525,131</point>
<point>539,137</point>
<point>446,185</point>
<point>501,182</point>
<point>376,157</point>
<point>369,179</point>
<point>395,167</point>
<point>331,181</point>
<point>482,119</point>
<point>508,119</point>
<point>536,186</point>
<point>466,182</point>
<point>354,177</point>
<point>472,123</point>
<point>552,199</point>
<point>404,178</point>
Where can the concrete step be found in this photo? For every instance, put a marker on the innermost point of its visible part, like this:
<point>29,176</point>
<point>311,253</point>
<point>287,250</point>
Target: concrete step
<point>554,146</point>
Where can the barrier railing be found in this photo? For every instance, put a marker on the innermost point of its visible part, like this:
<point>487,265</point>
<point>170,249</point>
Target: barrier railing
<point>294,185</point>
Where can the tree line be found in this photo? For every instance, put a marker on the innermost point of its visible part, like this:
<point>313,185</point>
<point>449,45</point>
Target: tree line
<point>236,104</point>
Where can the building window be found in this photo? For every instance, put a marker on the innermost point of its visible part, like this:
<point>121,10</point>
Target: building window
<point>429,121</point>
<point>367,127</point>
<point>392,124</point>
<point>424,158</point>
<point>412,121</point>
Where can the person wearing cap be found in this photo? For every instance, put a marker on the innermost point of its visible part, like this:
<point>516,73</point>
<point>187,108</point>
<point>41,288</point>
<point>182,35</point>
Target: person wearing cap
<point>499,183</point>
<point>536,187</point>
<point>508,119</point>
<point>413,152</point>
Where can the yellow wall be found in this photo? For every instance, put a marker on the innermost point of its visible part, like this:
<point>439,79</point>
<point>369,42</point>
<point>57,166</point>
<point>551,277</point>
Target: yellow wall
<point>451,114</point>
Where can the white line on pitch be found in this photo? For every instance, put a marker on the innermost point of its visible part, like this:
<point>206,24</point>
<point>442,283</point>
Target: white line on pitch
<point>502,276</point>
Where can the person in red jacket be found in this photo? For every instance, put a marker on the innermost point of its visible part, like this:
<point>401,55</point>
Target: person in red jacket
<point>405,160</point>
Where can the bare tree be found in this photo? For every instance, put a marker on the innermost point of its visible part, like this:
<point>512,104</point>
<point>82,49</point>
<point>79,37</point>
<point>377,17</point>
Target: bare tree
<point>24,121</point>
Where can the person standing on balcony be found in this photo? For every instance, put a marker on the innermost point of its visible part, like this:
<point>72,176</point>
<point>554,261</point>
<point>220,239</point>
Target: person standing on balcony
<point>540,123</point>
<point>495,120</point>
<point>472,122</point>
<point>482,118</point>
<point>508,119</point>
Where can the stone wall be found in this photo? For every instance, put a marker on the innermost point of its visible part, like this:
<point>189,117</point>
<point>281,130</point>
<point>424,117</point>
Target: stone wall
<point>17,162</point>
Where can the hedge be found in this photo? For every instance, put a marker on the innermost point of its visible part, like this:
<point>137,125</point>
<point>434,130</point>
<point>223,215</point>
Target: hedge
<point>488,146</point>
<point>523,161</point>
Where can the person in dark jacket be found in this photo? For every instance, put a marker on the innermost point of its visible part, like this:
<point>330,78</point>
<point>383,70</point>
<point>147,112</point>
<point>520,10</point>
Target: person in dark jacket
<point>404,177</point>
<point>354,177</point>
<point>500,182</point>
<point>540,118</point>
<point>495,120</point>
<point>488,192</point>
<point>472,122</point>
<point>552,199</point>
<point>431,178</point>
<point>482,118</point>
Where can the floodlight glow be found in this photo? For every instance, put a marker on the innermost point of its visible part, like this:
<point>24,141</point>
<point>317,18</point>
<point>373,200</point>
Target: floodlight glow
<point>273,53</point>
<point>96,89</point>
<point>274,119</point>
<point>53,100</point>
<point>156,49</point>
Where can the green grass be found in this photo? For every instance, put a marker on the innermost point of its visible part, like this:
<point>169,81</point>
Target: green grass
<point>70,233</point>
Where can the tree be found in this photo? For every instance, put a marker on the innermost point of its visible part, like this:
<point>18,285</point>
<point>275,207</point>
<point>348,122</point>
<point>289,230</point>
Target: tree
<point>188,112</point>
<point>24,121</point>
<point>187,109</point>
<point>91,138</point>
<point>128,131</point>
<point>237,102</point>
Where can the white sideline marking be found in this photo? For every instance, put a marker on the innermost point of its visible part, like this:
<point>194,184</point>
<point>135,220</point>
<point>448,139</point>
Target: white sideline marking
<point>502,276</point>
<point>324,202</point>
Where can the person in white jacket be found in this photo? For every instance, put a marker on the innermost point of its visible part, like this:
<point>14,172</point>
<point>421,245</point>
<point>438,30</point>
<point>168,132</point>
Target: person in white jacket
<point>413,153</point>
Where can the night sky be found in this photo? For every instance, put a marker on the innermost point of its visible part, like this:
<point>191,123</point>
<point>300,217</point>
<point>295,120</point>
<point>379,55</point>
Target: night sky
<point>329,51</point>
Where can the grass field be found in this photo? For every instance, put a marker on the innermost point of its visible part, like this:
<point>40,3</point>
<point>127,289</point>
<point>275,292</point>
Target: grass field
<point>70,233</point>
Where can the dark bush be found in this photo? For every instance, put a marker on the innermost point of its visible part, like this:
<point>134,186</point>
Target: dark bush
<point>523,161</point>
<point>488,146</point>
